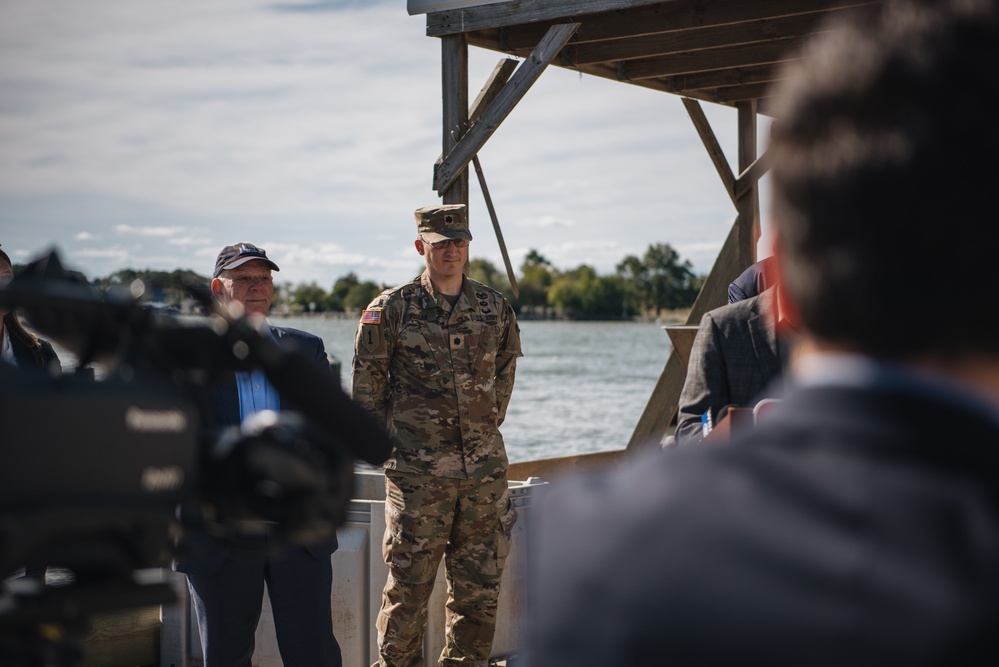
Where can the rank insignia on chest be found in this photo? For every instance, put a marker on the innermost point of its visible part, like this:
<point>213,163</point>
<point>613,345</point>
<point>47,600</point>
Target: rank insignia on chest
<point>371,317</point>
<point>456,341</point>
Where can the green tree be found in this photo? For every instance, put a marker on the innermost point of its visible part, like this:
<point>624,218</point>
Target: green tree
<point>309,298</point>
<point>349,293</point>
<point>361,294</point>
<point>659,280</point>
<point>536,277</point>
<point>486,273</point>
<point>167,287</point>
<point>582,294</point>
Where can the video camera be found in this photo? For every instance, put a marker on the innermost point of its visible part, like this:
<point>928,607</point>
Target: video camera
<point>100,477</point>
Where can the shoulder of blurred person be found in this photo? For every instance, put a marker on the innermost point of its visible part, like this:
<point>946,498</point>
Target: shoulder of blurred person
<point>858,523</point>
<point>778,547</point>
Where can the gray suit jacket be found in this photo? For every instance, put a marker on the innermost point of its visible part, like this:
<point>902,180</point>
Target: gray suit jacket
<point>734,358</point>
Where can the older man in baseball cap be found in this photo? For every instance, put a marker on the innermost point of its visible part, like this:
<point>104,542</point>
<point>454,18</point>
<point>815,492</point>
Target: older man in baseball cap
<point>227,576</point>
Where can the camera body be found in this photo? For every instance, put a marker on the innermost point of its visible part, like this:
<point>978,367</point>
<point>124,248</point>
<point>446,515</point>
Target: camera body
<point>105,477</point>
<point>89,463</point>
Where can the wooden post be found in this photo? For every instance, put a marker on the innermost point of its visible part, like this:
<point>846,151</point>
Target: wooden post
<point>454,83</point>
<point>749,203</point>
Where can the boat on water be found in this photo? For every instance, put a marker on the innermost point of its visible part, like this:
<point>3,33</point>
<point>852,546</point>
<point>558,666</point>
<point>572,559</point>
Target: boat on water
<point>725,52</point>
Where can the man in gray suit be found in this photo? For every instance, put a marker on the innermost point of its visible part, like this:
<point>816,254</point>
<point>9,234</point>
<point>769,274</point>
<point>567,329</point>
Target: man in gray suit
<point>736,356</point>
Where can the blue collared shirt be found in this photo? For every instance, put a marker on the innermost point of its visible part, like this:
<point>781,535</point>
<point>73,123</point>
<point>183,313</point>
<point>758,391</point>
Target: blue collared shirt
<point>255,392</point>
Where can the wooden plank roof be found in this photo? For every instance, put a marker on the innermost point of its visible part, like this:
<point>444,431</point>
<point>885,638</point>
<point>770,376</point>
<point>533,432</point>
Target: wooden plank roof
<point>721,51</point>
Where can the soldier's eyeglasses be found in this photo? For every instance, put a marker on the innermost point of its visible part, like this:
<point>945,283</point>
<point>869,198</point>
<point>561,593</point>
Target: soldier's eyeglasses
<point>440,245</point>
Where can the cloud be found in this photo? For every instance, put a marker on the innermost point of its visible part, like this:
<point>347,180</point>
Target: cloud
<point>314,125</point>
<point>547,221</point>
<point>116,253</point>
<point>148,231</point>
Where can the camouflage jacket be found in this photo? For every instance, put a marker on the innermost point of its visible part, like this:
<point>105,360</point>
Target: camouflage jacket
<point>440,380</point>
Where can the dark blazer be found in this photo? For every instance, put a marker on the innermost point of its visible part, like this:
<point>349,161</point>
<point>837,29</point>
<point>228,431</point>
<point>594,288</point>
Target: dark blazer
<point>753,281</point>
<point>201,554</point>
<point>851,527</point>
<point>735,358</point>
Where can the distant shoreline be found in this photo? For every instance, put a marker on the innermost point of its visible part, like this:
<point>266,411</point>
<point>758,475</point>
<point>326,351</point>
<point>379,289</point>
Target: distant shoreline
<point>666,317</point>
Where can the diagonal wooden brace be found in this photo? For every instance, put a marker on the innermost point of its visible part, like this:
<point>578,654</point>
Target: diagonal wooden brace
<point>456,161</point>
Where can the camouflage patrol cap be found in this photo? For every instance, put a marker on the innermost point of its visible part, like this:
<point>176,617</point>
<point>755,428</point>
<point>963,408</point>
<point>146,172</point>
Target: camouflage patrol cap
<point>442,222</point>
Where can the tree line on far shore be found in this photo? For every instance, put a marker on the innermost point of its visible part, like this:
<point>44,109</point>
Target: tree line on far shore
<point>640,286</point>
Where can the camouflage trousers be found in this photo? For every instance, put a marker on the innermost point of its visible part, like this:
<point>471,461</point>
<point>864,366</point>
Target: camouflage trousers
<point>468,523</point>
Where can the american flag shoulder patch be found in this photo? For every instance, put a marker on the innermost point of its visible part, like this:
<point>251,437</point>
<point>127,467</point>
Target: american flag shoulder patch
<point>371,317</point>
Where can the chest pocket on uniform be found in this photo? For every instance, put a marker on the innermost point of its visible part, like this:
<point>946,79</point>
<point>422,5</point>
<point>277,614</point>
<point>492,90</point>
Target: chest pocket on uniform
<point>416,349</point>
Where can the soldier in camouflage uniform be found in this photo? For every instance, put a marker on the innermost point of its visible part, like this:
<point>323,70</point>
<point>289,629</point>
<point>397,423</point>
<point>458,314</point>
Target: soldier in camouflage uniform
<point>435,358</point>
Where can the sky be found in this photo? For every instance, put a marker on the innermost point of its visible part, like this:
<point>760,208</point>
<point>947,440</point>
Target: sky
<point>148,135</point>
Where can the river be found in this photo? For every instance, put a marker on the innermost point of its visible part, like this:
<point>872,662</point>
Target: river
<point>581,386</point>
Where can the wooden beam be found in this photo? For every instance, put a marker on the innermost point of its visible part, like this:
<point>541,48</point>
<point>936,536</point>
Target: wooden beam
<point>454,81</point>
<point>459,155</point>
<point>754,91</point>
<point>519,11</point>
<point>611,19</point>
<point>682,41</point>
<point>749,203</point>
<point>751,175</point>
<point>510,275</point>
<point>738,76</point>
<point>494,84</point>
<point>711,59</point>
<point>661,408</point>
<point>711,145</point>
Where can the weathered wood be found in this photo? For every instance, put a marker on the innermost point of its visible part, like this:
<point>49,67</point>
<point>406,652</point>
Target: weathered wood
<point>751,175</point>
<point>518,11</point>
<point>748,93</point>
<point>457,157</point>
<point>681,41</point>
<point>739,76</point>
<point>662,405</point>
<point>127,637</point>
<point>711,144</point>
<point>553,469</point>
<point>749,203</point>
<point>454,84</point>
<point>511,276</point>
<point>681,336</point>
<point>743,55</point>
<point>612,19</point>
<point>494,84</point>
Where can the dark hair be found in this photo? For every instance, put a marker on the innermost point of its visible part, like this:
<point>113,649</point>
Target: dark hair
<point>887,219</point>
<point>12,324</point>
